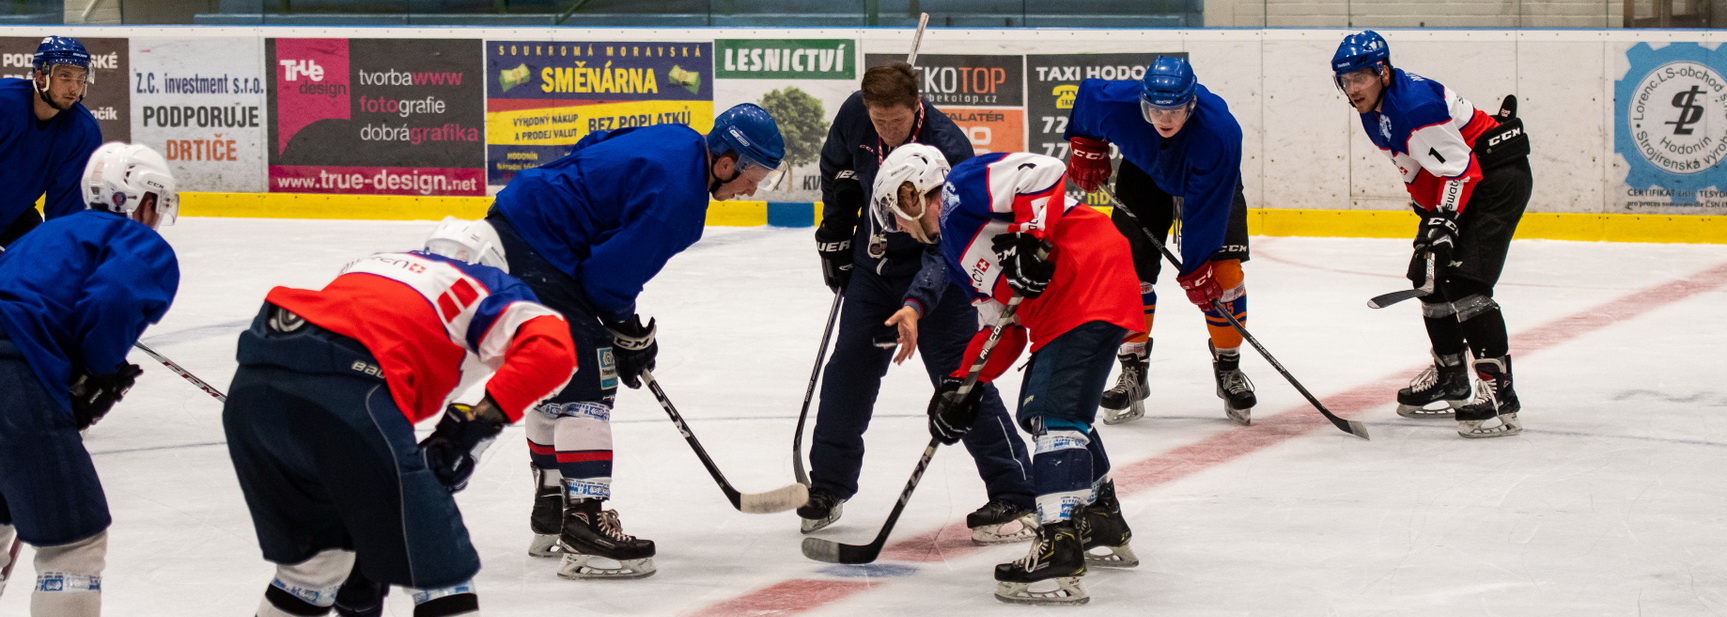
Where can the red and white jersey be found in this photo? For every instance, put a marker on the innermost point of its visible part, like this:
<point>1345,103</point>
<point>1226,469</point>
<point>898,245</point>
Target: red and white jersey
<point>1429,132</point>
<point>422,315</point>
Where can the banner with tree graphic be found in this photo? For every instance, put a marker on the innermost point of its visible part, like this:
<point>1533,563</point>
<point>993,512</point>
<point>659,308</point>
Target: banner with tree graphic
<point>802,82</point>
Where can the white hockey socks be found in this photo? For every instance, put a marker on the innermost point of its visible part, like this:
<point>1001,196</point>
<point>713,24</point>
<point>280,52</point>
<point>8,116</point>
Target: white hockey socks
<point>308,587</point>
<point>69,578</point>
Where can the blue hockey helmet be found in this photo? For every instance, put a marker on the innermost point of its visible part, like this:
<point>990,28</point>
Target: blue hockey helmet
<point>751,132</point>
<point>1362,50</point>
<point>61,50</point>
<point>1169,83</point>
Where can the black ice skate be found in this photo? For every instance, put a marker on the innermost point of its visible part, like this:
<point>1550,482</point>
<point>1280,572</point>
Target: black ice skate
<point>1126,401</point>
<point>1445,382</point>
<point>547,519</point>
<point>1233,386</point>
<point>821,510</point>
<point>1001,522</point>
<point>1054,565</point>
<point>592,540</point>
<point>1101,526</point>
<point>1493,398</point>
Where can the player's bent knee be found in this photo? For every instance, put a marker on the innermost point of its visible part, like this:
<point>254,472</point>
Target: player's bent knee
<point>308,587</point>
<point>1437,309</point>
<point>458,599</point>
<point>1474,306</point>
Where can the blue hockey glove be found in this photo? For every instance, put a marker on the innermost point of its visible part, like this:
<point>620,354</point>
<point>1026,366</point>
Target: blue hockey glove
<point>453,449</point>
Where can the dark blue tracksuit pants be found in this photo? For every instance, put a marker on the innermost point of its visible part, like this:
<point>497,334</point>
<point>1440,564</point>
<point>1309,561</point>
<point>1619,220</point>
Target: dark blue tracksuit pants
<point>853,378</point>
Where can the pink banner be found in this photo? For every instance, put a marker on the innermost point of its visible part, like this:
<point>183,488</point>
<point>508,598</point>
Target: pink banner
<point>311,84</point>
<point>377,180</point>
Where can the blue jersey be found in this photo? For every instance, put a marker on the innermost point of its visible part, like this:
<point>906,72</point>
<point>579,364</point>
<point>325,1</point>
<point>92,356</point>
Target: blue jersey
<point>1201,164</point>
<point>612,213</point>
<point>1429,132</point>
<point>41,157</point>
<point>76,293</point>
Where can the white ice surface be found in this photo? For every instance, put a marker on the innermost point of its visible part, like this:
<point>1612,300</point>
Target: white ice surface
<point>1613,501</point>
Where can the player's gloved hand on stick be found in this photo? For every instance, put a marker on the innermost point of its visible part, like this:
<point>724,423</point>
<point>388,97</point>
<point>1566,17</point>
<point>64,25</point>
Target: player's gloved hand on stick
<point>453,449</point>
<point>634,349</point>
<point>1438,237</point>
<point>1088,164</point>
<point>1024,263</point>
<point>1201,285</point>
<point>950,415</point>
<point>94,395</point>
<point>836,251</point>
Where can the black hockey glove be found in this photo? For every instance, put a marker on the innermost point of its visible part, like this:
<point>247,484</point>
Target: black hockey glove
<point>633,349</point>
<point>453,449</point>
<point>949,415</point>
<point>94,395</point>
<point>836,252</point>
<point>1024,262</point>
<point>1438,237</point>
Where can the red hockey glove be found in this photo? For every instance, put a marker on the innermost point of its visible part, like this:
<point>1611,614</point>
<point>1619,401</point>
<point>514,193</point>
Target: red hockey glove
<point>1088,165</point>
<point>1201,286</point>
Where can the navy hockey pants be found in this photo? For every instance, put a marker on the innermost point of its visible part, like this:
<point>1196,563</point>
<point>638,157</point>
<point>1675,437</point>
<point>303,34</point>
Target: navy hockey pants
<point>48,485</point>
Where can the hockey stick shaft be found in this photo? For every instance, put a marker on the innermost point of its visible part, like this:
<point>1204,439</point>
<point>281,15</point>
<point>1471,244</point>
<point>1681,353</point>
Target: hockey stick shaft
<point>810,391</point>
<point>1348,426</point>
<point>181,371</point>
<point>755,503</point>
<point>834,552</point>
<point>917,38</point>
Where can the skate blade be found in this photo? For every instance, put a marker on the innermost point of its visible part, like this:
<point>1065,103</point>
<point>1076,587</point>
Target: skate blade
<point>984,535</point>
<point>812,525</point>
<point>545,545</point>
<point>1117,557</point>
<point>1425,413</point>
<point>577,566</point>
<point>1508,425</point>
<point>1243,417</point>
<point>1134,411</point>
<point>1067,590</point>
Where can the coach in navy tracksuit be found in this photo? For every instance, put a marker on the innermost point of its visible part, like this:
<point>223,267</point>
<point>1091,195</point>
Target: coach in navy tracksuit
<point>888,275</point>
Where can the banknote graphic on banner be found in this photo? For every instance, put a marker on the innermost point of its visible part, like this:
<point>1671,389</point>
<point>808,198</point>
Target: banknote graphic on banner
<point>1670,129</point>
<point>802,82</point>
<point>542,97</point>
<point>1053,84</point>
<point>110,91</point>
<point>984,95</point>
<point>376,116</point>
<point>200,102</point>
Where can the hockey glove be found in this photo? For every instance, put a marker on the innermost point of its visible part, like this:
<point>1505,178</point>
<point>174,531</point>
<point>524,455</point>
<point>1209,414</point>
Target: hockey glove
<point>633,349</point>
<point>950,416</point>
<point>453,449</point>
<point>94,395</point>
<point>1025,263</point>
<point>1438,237</point>
<point>836,252</point>
<point>1201,285</point>
<point>1088,165</point>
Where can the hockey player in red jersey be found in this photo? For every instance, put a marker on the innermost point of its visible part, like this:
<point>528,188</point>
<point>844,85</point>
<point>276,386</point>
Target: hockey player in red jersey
<point>1006,229</point>
<point>320,417</point>
<point>1469,179</point>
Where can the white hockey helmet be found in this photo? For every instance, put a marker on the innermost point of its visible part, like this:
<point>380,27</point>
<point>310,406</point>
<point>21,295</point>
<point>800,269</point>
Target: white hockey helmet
<point>924,168</point>
<point>120,175</point>
<point>474,242</point>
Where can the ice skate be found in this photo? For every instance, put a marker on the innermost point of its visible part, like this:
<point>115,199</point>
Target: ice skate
<point>547,521</point>
<point>1126,401</point>
<point>822,509</point>
<point>1001,522</point>
<point>1494,398</point>
<point>1049,574</point>
<point>1101,526</point>
<point>1446,382</point>
<point>1233,386</point>
<point>594,545</point>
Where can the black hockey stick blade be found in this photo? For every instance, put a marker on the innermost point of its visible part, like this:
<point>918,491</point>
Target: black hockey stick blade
<point>1384,300</point>
<point>830,551</point>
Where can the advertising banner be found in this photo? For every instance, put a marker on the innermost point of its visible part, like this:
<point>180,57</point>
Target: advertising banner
<point>376,116</point>
<point>109,92</point>
<point>802,82</point>
<point>542,97</point>
<point>1670,129</point>
<point>1054,80</point>
<point>984,95</point>
<point>200,102</point>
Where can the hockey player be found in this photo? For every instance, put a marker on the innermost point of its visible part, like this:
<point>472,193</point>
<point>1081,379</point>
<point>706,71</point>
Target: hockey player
<point>899,295</point>
<point>46,137</point>
<point>74,296</point>
<point>1181,153</point>
<point>1011,232</point>
<point>586,232</point>
<point>320,417</point>
<point>1468,178</point>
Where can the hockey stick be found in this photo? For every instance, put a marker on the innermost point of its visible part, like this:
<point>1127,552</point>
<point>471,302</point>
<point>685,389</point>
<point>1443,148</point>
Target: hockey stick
<point>1348,426</point>
<point>1384,300</point>
<point>778,500</point>
<point>917,38</point>
<point>833,552</point>
<point>202,385</point>
<point>809,392</point>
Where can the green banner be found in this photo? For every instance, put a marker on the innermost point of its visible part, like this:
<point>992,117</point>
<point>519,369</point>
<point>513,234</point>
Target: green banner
<point>785,59</point>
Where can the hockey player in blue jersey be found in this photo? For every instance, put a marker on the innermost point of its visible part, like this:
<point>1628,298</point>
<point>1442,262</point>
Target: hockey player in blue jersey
<point>1181,152</point>
<point>897,292</point>
<point>586,232</point>
<point>46,137</point>
<point>1469,180</point>
<point>75,294</point>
